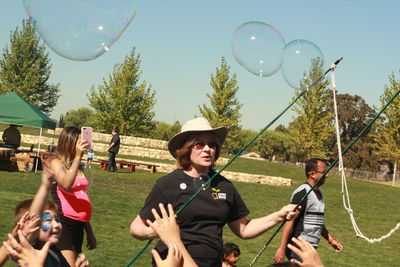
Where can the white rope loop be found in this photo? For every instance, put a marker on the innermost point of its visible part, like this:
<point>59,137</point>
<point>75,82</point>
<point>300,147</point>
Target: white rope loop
<point>345,192</point>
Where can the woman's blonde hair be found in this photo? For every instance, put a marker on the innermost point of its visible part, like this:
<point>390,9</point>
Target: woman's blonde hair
<point>66,143</point>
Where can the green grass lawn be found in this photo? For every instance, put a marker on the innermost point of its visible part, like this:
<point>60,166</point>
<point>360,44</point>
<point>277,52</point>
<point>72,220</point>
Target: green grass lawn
<point>117,198</point>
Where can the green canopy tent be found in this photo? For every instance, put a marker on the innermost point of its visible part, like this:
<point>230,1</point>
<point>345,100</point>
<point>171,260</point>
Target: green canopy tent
<point>16,110</point>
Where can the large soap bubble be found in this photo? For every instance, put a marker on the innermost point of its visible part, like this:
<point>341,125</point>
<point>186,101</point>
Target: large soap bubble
<point>257,46</point>
<point>80,29</point>
<point>297,59</point>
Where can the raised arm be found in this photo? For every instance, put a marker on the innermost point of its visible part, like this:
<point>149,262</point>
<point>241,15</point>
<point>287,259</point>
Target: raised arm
<point>246,229</point>
<point>41,197</point>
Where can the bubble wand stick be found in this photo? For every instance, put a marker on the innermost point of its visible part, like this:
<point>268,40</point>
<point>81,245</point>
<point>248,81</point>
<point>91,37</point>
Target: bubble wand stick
<point>315,83</point>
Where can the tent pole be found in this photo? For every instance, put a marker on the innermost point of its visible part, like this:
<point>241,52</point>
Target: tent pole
<point>38,152</point>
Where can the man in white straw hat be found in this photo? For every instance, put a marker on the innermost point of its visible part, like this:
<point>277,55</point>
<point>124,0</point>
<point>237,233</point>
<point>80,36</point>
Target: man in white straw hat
<point>196,148</point>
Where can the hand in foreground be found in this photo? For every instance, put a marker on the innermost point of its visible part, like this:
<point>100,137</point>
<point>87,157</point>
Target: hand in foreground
<point>28,224</point>
<point>306,252</point>
<point>173,259</point>
<point>23,253</point>
<point>81,147</point>
<point>165,226</point>
<point>279,255</point>
<point>287,213</point>
<point>81,261</point>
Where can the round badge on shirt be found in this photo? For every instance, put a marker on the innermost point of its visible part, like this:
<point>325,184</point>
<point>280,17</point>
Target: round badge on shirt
<point>183,186</point>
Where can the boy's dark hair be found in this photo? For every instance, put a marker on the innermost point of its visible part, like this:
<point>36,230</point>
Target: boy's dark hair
<point>24,206</point>
<point>230,248</point>
<point>312,165</point>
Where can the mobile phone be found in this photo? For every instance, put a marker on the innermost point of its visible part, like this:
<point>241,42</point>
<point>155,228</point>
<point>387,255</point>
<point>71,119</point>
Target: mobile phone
<point>87,134</point>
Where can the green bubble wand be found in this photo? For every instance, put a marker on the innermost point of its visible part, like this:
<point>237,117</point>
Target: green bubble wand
<point>315,83</point>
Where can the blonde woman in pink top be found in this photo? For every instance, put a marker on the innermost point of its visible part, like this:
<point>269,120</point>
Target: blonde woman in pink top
<point>69,193</point>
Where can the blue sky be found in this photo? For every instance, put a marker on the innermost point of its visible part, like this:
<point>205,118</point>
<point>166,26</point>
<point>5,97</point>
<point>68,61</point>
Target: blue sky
<point>181,43</point>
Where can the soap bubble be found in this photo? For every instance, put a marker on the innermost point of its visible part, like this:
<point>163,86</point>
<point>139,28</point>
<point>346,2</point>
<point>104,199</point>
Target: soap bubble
<point>80,29</point>
<point>257,46</point>
<point>200,182</point>
<point>297,59</point>
<point>88,173</point>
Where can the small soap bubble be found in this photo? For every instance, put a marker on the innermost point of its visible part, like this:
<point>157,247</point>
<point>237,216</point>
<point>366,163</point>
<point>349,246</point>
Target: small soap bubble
<point>257,46</point>
<point>88,173</point>
<point>297,58</point>
<point>201,181</point>
<point>80,30</point>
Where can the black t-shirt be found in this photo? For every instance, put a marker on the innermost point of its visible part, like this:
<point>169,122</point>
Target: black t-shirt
<point>202,221</point>
<point>115,139</point>
<point>54,257</point>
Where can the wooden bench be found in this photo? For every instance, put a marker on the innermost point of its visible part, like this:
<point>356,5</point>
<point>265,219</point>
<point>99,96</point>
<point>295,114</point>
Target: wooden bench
<point>103,163</point>
<point>130,164</point>
<point>152,167</point>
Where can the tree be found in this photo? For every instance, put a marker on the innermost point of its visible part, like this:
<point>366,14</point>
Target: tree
<point>281,128</point>
<point>354,114</point>
<point>61,122</point>
<point>124,102</point>
<point>78,117</point>
<point>225,108</point>
<point>387,137</point>
<point>274,145</point>
<point>25,69</point>
<point>312,128</point>
<point>165,131</point>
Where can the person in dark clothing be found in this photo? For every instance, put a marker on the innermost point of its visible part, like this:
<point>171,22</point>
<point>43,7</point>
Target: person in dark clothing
<point>113,149</point>
<point>196,148</point>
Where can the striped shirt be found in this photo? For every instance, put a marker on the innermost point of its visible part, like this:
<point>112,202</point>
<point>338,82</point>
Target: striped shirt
<point>309,224</point>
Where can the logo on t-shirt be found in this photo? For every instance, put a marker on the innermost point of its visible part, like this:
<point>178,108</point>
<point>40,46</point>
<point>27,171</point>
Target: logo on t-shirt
<point>217,195</point>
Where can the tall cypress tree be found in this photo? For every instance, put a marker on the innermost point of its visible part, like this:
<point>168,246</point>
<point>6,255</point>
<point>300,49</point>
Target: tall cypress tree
<point>312,128</point>
<point>225,108</point>
<point>123,101</point>
<point>387,137</point>
<point>25,68</point>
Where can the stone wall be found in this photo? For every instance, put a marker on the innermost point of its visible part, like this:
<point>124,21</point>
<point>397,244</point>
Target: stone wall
<point>234,176</point>
<point>133,146</point>
<point>127,140</point>
<point>155,149</point>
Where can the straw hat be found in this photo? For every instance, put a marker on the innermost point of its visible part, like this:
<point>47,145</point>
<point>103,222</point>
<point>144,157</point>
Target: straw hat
<point>197,125</point>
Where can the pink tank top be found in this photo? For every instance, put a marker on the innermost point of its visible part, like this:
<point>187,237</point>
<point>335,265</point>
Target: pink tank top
<point>75,202</point>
